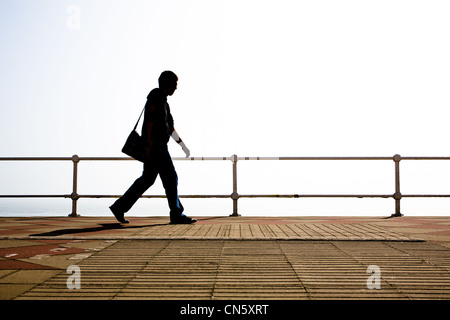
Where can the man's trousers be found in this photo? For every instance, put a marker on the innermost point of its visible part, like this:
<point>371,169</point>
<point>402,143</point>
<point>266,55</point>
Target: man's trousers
<point>160,163</point>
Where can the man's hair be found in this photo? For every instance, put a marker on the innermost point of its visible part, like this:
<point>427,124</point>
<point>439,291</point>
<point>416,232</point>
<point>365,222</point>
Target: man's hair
<point>166,78</point>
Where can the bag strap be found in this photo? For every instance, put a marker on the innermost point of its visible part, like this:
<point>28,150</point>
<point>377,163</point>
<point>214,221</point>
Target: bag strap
<point>139,119</point>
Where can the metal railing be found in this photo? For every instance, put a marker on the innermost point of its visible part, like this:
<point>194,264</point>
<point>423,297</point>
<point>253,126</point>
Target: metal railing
<point>235,196</point>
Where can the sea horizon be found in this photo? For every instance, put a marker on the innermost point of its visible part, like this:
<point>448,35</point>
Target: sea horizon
<point>216,207</point>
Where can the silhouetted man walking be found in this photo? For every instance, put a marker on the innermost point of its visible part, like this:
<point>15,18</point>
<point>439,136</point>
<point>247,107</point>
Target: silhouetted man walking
<point>157,129</point>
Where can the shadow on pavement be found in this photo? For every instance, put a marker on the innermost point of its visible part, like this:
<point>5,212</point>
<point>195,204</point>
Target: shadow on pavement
<point>102,227</point>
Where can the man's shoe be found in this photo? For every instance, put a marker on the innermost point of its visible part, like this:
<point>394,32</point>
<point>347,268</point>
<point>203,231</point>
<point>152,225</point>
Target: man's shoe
<point>182,220</point>
<point>119,216</point>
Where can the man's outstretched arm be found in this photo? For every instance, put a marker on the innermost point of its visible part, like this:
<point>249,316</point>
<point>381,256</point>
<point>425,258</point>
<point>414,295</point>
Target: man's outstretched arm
<point>177,138</point>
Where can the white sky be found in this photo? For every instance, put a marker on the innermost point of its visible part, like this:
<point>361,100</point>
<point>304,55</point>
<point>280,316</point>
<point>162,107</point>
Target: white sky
<point>256,78</point>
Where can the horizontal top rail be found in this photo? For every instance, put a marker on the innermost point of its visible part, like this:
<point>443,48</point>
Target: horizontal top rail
<point>315,158</point>
<point>35,158</point>
<point>77,158</point>
<point>425,158</point>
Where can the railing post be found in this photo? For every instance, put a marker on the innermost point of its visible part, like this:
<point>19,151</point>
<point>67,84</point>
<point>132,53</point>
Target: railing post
<point>397,194</point>
<point>74,196</point>
<point>235,195</point>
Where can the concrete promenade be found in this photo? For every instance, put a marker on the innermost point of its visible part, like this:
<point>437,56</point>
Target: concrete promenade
<point>295,258</point>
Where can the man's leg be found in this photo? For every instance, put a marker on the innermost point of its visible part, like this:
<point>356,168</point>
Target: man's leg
<point>124,203</point>
<point>169,180</point>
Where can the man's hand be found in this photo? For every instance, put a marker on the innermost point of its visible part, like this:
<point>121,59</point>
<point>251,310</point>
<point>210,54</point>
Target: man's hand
<point>185,149</point>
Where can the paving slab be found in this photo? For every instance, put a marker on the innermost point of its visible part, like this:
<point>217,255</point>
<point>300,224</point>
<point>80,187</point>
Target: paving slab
<point>222,228</point>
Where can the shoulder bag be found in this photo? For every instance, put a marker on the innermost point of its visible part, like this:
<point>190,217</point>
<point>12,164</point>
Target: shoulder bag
<point>134,146</point>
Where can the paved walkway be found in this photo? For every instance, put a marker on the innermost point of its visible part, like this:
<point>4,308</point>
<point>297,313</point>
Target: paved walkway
<point>226,258</point>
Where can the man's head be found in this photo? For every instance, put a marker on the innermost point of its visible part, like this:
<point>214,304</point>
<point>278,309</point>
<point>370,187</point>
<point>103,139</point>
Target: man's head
<point>168,82</point>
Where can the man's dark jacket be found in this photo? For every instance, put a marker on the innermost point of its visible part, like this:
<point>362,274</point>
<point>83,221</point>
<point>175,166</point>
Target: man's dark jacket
<point>157,111</point>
